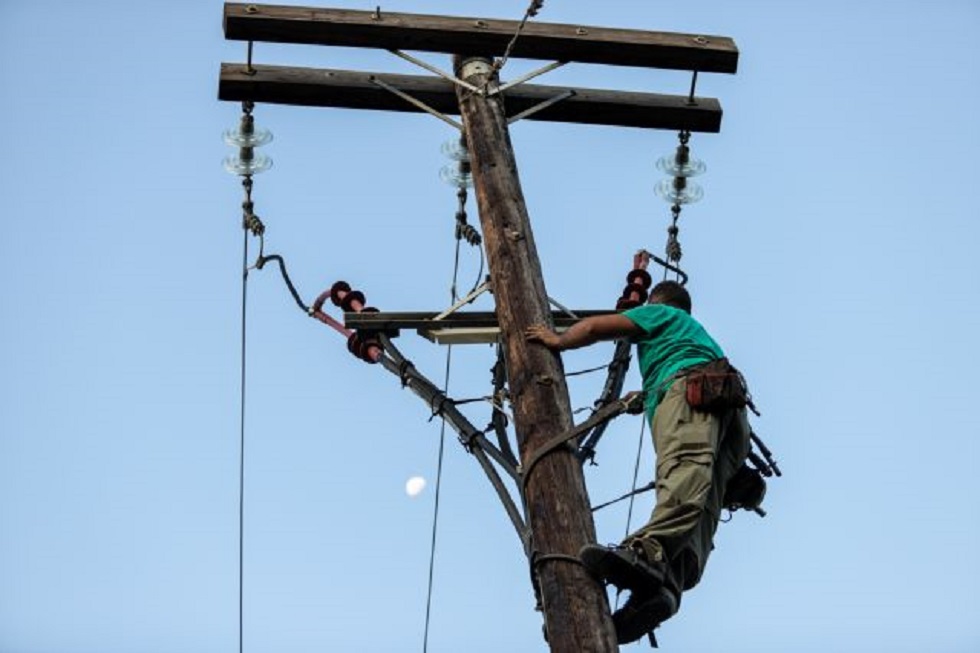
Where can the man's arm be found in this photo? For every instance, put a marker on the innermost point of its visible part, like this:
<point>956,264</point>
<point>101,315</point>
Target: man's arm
<point>584,332</point>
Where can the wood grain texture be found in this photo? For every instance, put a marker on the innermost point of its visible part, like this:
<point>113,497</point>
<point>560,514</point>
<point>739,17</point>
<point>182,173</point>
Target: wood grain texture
<point>487,36</point>
<point>557,505</point>
<point>356,90</point>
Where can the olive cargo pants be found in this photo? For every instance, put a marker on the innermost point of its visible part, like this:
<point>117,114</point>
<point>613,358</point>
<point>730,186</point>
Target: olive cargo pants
<point>697,453</point>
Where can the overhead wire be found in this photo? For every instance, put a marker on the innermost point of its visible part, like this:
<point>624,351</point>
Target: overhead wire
<point>532,10</point>
<point>460,236</point>
<point>241,452</point>
<point>435,511</point>
<point>634,492</point>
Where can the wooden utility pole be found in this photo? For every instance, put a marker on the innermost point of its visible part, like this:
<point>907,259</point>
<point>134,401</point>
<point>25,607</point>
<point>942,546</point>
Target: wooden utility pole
<point>558,512</point>
<point>559,515</point>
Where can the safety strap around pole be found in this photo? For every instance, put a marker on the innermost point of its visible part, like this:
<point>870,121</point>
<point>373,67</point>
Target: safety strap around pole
<point>631,404</point>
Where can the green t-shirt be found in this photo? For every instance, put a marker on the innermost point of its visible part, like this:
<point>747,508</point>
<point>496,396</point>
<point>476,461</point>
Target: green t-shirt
<point>671,340</point>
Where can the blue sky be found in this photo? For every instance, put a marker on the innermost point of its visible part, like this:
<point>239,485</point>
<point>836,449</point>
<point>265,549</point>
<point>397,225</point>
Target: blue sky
<point>834,257</point>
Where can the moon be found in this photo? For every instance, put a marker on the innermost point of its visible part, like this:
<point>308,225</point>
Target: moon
<point>414,486</point>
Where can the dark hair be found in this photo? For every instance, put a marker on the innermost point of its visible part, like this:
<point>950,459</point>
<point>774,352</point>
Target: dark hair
<point>671,293</point>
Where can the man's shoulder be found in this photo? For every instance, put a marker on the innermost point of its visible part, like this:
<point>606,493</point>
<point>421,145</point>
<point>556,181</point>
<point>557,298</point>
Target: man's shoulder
<point>656,312</point>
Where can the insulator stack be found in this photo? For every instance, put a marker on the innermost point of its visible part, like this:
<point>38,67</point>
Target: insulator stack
<point>362,343</point>
<point>635,293</point>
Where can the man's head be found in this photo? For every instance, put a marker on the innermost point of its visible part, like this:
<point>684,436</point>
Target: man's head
<point>671,293</point>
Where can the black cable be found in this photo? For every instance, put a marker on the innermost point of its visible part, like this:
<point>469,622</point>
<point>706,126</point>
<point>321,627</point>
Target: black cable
<point>241,458</point>
<point>588,371</point>
<point>285,277</point>
<point>435,513</point>
<point>442,447</point>
<point>636,474</point>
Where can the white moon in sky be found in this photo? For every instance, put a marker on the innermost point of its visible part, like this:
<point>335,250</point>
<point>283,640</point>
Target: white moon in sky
<point>414,486</point>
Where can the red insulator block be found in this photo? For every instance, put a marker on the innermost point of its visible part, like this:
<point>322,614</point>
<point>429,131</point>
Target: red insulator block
<point>624,304</point>
<point>639,276</point>
<point>354,344</point>
<point>635,291</point>
<point>337,291</point>
<point>364,351</point>
<point>352,302</point>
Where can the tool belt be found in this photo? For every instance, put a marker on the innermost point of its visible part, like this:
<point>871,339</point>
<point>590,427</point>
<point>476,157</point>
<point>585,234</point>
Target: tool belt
<point>716,387</point>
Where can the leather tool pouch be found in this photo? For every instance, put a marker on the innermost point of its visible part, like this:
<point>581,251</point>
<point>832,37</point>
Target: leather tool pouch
<point>716,387</point>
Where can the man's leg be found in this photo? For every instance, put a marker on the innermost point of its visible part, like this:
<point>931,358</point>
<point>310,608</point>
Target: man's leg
<point>695,461</point>
<point>686,442</point>
<point>688,563</point>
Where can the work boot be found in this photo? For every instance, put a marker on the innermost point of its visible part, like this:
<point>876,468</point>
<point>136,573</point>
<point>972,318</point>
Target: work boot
<point>642,613</point>
<point>623,566</point>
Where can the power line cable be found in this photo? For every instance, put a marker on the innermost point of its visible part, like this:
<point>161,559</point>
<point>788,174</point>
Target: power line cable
<point>442,446</point>
<point>636,474</point>
<point>435,512</point>
<point>241,455</point>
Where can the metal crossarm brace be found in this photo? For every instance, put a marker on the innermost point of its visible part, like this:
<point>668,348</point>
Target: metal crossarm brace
<point>415,102</point>
<point>529,76</point>
<point>540,107</point>
<point>433,69</point>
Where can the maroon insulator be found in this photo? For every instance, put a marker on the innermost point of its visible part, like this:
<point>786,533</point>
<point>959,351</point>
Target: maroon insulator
<point>641,277</point>
<point>337,292</point>
<point>354,344</point>
<point>352,302</point>
<point>635,291</point>
<point>370,351</point>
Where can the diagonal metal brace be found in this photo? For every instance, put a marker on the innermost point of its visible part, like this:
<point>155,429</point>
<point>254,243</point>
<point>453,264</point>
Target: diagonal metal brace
<point>524,78</point>
<point>541,106</point>
<point>437,71</point>
<point>416,102</point>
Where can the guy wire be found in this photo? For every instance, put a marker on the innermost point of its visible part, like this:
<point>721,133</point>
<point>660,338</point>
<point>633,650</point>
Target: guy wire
<point>636,474</point>
<point>241,457</point>
<point>442,446</point>
<point>435,510</point>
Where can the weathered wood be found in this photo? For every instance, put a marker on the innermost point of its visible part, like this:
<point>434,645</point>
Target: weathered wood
<point>488,36</point>
<point>355,90</point>
<point>558,512</point>
<point>392,320</point>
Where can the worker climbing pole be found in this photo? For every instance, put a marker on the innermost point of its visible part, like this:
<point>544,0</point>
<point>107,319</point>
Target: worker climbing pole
<point>551,514</point>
